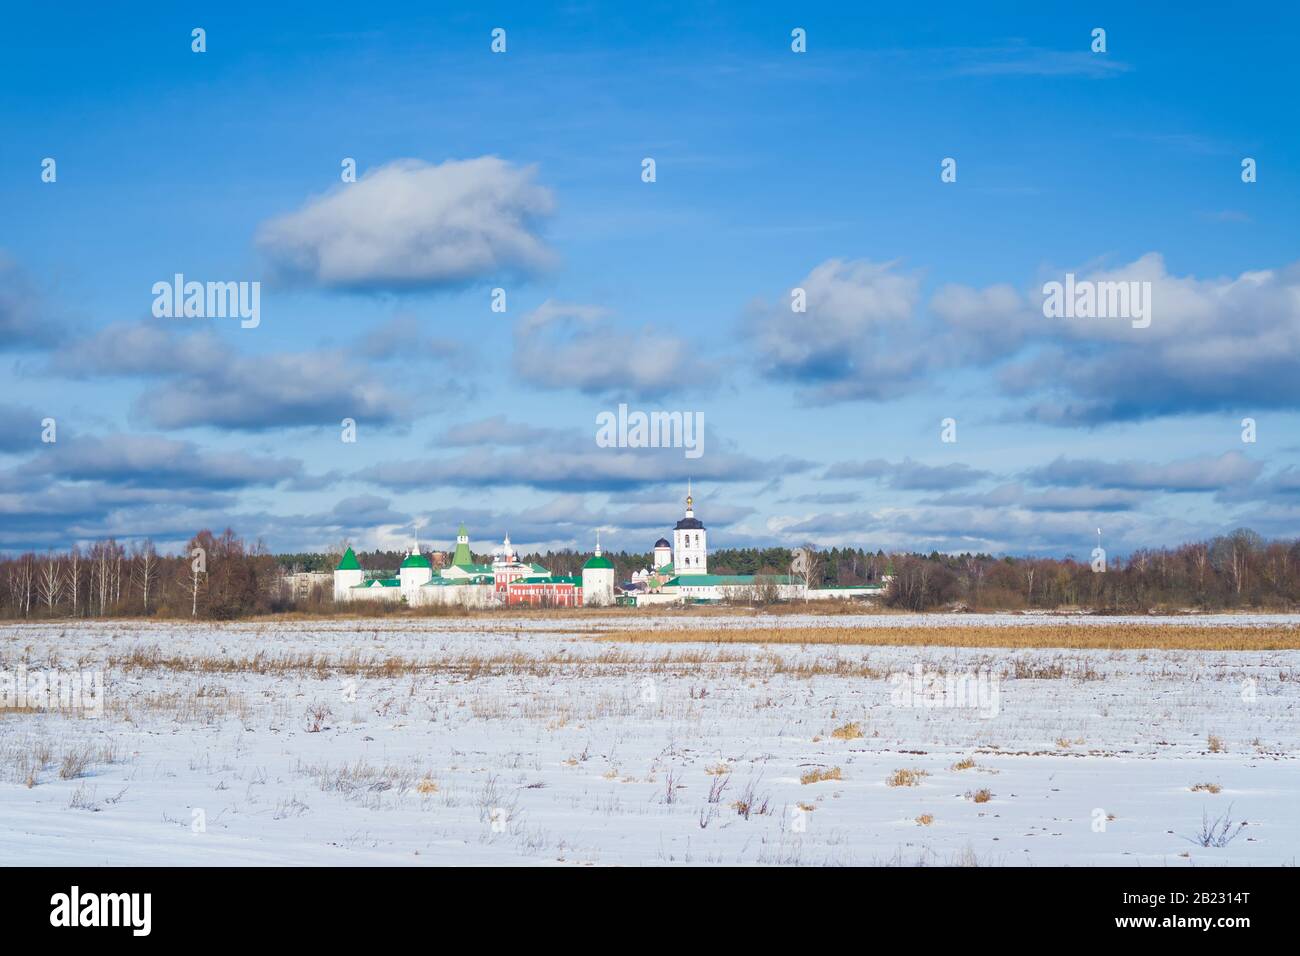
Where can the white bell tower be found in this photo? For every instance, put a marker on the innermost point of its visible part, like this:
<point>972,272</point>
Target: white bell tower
<point>690,542</point>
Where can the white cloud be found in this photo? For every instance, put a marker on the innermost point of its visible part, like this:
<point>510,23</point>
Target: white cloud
<point>566,345</point>
<point>855,340</point>
<point>413,225</point>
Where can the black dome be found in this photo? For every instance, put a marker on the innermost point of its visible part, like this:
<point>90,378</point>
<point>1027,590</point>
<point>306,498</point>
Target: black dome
<point>662,543</point>
<point>690,524</point>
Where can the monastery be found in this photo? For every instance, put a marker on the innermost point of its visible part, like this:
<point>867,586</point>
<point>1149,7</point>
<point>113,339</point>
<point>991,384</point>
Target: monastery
<point>679,573</point>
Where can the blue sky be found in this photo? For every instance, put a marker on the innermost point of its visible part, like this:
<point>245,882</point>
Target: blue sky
<point>775,170</point>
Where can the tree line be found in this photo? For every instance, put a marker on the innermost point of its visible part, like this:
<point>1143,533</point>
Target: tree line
<point>218,577</point>
<point>223,577</point>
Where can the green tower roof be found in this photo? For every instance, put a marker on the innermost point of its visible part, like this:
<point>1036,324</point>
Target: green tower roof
<point>462,557</point>
<point>348,562</point>
<point>598,561</point>
<point>416,561</point>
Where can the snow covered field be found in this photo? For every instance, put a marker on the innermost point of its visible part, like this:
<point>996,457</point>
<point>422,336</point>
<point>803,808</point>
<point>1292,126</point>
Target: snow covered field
<point>532,741</point>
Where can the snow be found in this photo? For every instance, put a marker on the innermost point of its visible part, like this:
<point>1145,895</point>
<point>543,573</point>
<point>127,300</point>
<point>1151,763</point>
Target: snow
<point>527,741</point>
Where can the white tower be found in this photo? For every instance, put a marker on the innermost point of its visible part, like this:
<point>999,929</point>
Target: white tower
<point>663,554</point>
<point>347,575</point>
<point>597,579</point>
<point>690,542</point>
<point>415,570</point>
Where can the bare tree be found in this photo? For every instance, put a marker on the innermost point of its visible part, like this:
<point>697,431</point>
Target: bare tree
<point>22,575</point>
<point>74,575</point>
<point>49,582</point>
<point>144,567</point>
<point>808,564</point>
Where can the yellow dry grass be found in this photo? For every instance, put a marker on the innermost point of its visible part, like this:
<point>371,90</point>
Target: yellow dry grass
<point>1206,787</point>
<point>1271,637</point>
<point>850,731</point>
<point>468,666</point>
<point>906,778</point>
<point>819,774</point>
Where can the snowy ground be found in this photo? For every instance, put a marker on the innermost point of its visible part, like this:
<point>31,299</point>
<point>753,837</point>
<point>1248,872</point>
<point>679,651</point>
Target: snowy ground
<point>496,741</point>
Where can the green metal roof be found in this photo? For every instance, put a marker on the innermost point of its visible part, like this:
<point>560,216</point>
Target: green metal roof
<point>551,579</point>
<point>666,569</point>
<point>733,580</point>
<point>462,557</point>
<point>598,561</point>
<point>457,582</point>
<point>416,561</point>
<point>348,562</point>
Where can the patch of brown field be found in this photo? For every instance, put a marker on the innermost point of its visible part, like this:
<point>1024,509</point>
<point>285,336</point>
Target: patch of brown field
<point>1093,637</point>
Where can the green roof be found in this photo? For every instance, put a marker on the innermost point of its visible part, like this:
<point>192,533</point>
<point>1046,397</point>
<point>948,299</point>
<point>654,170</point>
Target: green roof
<point>457,582</point>
<point>598,561</point>
<point>416,561</point>
<point>539,569</point>
<point>666,569</point>
<point>462,557</point>
<point>380,582</point>
<point>348,562</point>
<point>551,579</point>
<point>734,580</point>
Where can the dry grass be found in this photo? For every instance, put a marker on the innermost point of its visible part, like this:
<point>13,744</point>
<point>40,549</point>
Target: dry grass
<point>466,666</point>
<point>966,763</point>
<point>1099,637</point>
<point>850,731</point>
<point>906,778</point>
<point>980,796</point>
<point>1206,787</point>
<point>925,819</point>
<point>1216,744</point>
<point>819,774</point>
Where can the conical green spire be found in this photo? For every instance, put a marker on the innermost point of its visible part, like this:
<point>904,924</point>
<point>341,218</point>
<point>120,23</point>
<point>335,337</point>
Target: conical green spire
<point>462,558</point>
<point>348,562</point>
